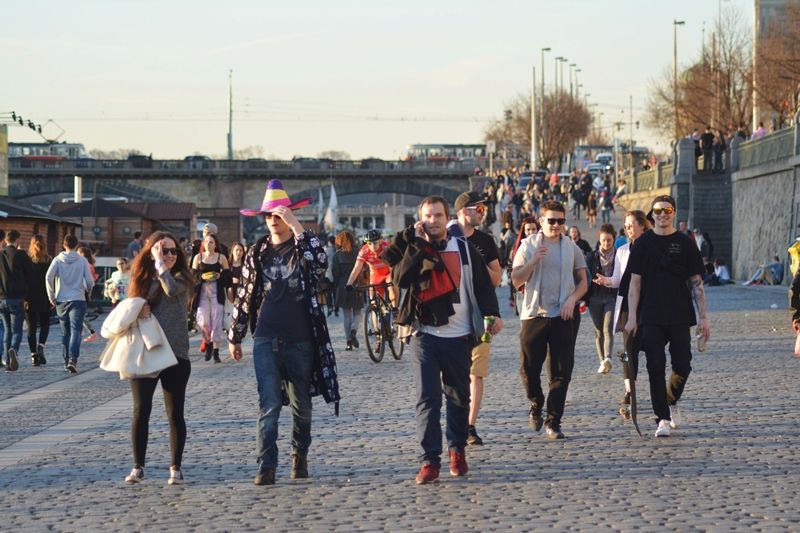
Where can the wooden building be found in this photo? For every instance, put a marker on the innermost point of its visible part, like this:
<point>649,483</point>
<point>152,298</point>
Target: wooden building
<point>29,221</point>
<point>108,226</point>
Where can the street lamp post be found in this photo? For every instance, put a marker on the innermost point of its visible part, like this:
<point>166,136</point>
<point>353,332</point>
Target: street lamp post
<point>556,61</point>
<point>675,24</point>
<point>577,85</point>
<point>571,66</point>
<point>561,81</point>
<point>541,107</point>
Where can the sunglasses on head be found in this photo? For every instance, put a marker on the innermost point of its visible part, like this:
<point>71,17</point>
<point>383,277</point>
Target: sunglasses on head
<point>478,208</point>
<point>665,210</point>
<point>170,251</point>
<point>556,221</point>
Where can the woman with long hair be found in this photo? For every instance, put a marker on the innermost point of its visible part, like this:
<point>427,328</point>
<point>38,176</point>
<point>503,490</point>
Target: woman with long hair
<point>37,304</point>
<point>636,223</point>
<point>160,274</point>
<point>236,262</point>
<point>350,302</point>
<point>86,252</point>
<point>211,268</point>
<point>602,299</point>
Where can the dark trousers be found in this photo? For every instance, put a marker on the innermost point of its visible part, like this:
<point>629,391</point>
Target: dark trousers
<point>37,320</point>
<point>537,337</point>
<point>654,341</point>
<point>707,158</point>
<point>441,365</point>
<point>173,383</point>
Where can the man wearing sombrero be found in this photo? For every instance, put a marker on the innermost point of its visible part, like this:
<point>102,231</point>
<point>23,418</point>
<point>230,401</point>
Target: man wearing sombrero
<point>292,353</point>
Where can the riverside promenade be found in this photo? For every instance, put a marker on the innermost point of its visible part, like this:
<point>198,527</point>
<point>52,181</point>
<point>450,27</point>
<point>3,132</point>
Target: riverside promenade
<point>734,464</point>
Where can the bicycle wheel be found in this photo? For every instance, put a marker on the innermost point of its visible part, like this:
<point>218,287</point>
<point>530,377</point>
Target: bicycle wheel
<point>395,344</point>
<point>373,334</point>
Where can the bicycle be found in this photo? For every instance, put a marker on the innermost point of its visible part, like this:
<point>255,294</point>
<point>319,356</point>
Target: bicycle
<point>379,326</point>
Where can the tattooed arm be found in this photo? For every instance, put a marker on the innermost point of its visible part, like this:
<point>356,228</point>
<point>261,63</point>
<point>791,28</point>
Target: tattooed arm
<point>699,298</point>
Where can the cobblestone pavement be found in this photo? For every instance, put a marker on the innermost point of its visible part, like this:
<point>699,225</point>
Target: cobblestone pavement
<point>733,465</point>
<point>65,445</point>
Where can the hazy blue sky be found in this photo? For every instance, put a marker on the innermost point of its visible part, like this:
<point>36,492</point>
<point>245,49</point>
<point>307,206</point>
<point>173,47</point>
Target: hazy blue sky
<point>368,77</point>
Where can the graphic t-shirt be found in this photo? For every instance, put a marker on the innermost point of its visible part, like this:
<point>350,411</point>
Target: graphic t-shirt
<point>485,245</point>
<point>378,270</point>
<point>665,262</point>
<point>284,311</point>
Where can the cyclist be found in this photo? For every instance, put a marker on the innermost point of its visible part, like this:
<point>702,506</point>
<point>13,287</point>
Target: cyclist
<point>379,272</point>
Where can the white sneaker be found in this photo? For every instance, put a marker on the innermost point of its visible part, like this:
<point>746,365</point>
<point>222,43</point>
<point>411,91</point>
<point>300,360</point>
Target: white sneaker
<point>675,414</point>
<point>663,428</point>
<point>175,476</point>
<point>136,475</point>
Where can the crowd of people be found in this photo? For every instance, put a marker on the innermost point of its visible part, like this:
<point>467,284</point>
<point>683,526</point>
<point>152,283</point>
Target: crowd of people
<point>440,274</point>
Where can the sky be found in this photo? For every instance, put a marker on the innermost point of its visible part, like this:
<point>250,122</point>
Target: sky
<point>366,77</point>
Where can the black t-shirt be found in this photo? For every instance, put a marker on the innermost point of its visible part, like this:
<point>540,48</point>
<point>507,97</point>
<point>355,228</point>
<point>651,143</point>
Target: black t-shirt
<point>665,263</point>
<point>707,140</point>
<point>485,245</point>
<point>284,311</point>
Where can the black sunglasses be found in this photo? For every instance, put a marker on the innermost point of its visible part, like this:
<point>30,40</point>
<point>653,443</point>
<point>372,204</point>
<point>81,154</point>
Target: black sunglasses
<point>556,221</point>
<point>170,251</point>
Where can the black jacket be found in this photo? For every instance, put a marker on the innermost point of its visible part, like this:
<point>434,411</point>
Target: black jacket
<point>412,259</point>
<point>15,268</point>
<point>593,264</point>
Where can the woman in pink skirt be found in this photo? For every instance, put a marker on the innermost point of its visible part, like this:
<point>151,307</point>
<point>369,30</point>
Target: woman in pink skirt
<point>211,268</point>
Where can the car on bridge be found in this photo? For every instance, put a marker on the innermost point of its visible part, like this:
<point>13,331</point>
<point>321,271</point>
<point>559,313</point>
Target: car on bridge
<point>198,161</point>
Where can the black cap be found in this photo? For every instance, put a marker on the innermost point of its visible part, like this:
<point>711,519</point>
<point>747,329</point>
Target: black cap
<point>664,198</point>
<point>468,199</point>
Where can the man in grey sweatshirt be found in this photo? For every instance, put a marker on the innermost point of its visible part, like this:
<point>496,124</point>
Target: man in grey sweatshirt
<point>69,279</point>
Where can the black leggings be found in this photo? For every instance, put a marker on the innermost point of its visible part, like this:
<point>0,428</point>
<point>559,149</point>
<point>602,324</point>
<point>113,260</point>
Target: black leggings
<point>173,382</point>
<point>40,320</point>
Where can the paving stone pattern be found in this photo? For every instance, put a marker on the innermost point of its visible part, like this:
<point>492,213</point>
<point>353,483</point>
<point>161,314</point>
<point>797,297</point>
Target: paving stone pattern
<point>733,464</point>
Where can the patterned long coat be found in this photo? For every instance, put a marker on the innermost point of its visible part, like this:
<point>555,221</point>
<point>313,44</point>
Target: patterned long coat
<point>250,294</point>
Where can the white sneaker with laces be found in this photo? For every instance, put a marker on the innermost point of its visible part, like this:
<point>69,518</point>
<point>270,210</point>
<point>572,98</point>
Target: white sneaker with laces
<point>675,414</point>
<point>175,476</point>
<point>136,475</point>
<point>663,428</point>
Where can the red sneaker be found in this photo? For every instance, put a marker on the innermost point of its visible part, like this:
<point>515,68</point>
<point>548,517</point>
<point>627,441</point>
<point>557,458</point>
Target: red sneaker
<point>203,346</point>
<point>458,463</point>
<point>428,474</point>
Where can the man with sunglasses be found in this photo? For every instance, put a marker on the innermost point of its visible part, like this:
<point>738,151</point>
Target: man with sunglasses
<point>553,270</point>
<point>471,210</point>
<point>661,264</point>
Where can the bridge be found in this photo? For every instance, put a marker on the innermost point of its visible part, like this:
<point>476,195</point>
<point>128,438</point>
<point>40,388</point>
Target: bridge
<point>227,184</point>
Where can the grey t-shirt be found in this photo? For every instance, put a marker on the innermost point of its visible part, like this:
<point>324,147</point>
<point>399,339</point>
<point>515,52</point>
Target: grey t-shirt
<point>550,266</point>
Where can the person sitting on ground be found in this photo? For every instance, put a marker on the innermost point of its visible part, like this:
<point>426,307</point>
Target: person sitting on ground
<point>768,274</point>
<point>721,271</point>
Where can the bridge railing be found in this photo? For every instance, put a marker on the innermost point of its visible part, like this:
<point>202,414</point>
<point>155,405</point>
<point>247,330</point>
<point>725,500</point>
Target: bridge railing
<point>238,165</point>
<point>655,178</point>
<point>771,147</point>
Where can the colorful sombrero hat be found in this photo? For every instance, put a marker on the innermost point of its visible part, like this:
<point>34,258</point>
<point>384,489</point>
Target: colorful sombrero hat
<point>274,197</point>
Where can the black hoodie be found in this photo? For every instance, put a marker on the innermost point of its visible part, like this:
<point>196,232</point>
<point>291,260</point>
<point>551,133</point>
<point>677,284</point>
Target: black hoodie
<point>15,268</point>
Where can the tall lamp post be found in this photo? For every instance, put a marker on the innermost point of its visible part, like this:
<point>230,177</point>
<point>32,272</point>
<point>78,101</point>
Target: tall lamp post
<point>541,106</point>
<point>571,67</point>
<point>675,24</point>
<point>556,62</point>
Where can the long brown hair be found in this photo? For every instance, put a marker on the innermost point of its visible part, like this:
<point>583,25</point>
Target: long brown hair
<point>37,250</point>
<point>143,267</point>
<point>526,220</point>
<point>230,252</point>
<point>345,241</point>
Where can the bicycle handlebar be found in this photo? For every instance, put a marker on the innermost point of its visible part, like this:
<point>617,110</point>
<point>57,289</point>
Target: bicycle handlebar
<point>373,285</point>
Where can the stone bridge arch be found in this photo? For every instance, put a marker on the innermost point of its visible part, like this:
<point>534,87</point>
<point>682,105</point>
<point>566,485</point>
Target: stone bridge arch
<point>31,189</point>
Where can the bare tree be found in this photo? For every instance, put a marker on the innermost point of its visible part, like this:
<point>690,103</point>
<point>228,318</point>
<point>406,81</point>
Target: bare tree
<point>714,90</point>
<point>779,66</point>
<point>336,155</point>
<point>566,119</point>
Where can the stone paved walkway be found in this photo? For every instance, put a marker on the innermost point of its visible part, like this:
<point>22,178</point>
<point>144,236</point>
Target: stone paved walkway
<point>65,447</point>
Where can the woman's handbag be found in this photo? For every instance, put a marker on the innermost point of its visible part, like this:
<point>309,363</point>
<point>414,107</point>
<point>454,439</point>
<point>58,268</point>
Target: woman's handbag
<point>137,348</point>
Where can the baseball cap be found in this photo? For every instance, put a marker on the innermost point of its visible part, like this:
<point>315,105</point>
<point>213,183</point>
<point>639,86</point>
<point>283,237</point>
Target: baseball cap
<point>663,198</point>
<point>468,199</point>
